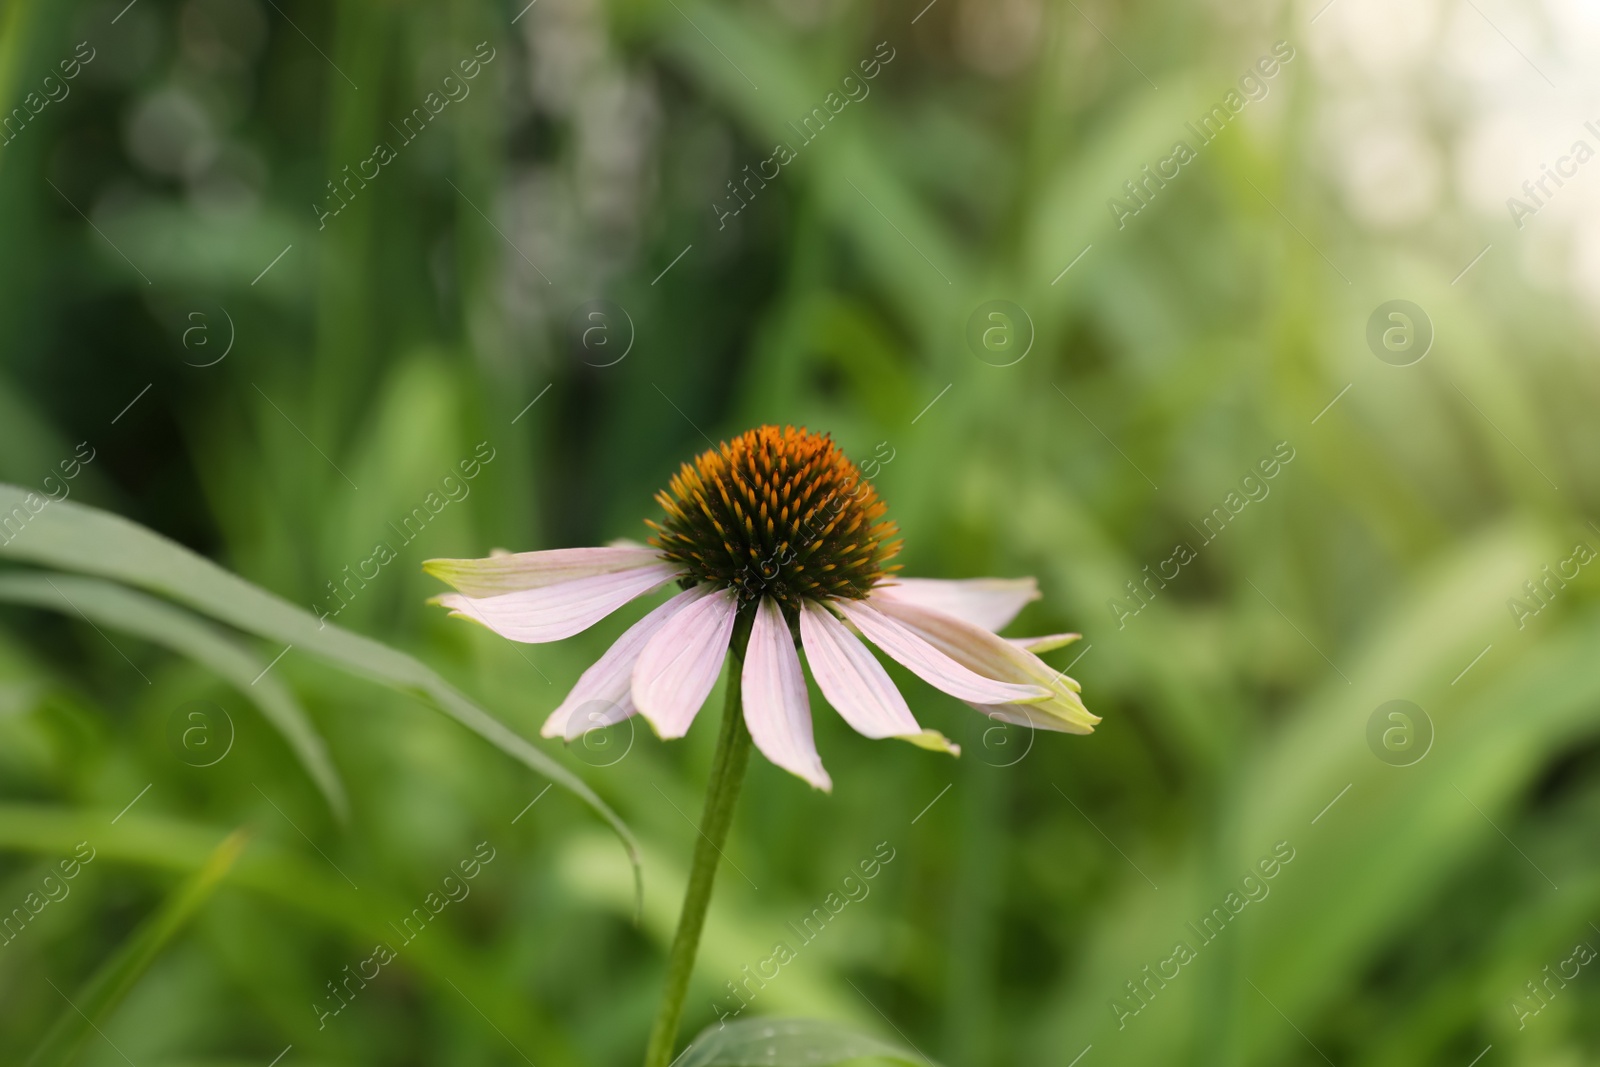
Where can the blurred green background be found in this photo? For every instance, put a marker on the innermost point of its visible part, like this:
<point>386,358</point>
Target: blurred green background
<point>274,385</point>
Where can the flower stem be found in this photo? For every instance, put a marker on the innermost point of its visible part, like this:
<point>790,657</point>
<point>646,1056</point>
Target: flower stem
<point>722,793</point>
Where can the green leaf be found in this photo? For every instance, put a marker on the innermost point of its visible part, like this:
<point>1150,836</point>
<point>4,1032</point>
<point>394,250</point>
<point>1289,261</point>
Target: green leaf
<point>105,990</point>
<point>788,1043</point>
<point>124,609</point>
<point>79,538</point>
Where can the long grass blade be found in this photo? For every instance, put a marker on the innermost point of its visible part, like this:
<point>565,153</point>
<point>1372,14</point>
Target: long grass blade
<point>100,995</point>
<point>84,539</point>
<point>158,621</point>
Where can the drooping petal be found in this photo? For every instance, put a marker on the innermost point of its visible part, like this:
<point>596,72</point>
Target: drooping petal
<point>510,572</point>
<point>971,645</point>
<point>553,612</point>
<point>1047,643</point>
<point>856,684</point>
<point>604,693</point>
<point>776,708</point>
<point>994,657</point>
<point>986,602</point>
<point>932,664</point>
<point>597,715</point>
<point>679,665</point>
<point>934,741</point>
<point>1038,717</point>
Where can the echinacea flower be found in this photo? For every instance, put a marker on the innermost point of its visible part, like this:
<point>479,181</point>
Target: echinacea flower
<point>778,532</point>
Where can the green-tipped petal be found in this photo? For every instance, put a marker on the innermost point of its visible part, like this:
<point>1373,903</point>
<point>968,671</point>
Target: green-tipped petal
<point>513,572</point>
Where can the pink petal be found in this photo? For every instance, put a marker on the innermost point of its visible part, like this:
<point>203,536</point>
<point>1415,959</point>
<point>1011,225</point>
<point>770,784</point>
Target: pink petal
<point>596,715</point>
<point>776,708</point>
<point>604,694</point>
<point>854,682</point>
<point>995,657</point>
<point>986,602</point>
<point>973,646</point>
<point>557,611</point>
<point>679,665</point>
<point>929,663</point>
<point>1040,717</point>
<point>512,572</point>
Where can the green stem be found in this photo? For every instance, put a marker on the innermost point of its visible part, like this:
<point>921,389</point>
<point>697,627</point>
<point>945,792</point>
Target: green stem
<point>722,793</point>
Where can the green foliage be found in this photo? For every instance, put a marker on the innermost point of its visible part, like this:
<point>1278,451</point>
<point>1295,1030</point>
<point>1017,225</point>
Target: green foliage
<point>156,621</point>
<point>1034,879</point>
<point>123,968</point>
<point>71,536</point>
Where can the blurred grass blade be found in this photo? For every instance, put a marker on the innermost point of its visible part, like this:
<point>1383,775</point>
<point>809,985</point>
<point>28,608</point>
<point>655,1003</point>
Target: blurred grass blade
<point>155,620</point>
<point>88,540</point>
<point>16,22</point>
<point>788,1043</point>
<point>98,997</point>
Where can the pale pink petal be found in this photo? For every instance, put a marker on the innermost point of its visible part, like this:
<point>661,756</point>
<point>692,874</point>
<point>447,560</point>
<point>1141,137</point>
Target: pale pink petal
<point>557,611</point>
<point>1047,643</point>
<point>986,602</point>
<point>776,708</point>
<point>856,684</point>
<point>596,715</point>
<point>1040,717</point>
<point>973,646</point>
<point>932,665</point>
<point>604,694</point>
<point>995,657</point>
<point>679,665</point>
<point>510,572</point>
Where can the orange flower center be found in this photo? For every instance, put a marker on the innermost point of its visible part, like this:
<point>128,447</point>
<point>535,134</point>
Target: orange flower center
<point>779,513</point>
